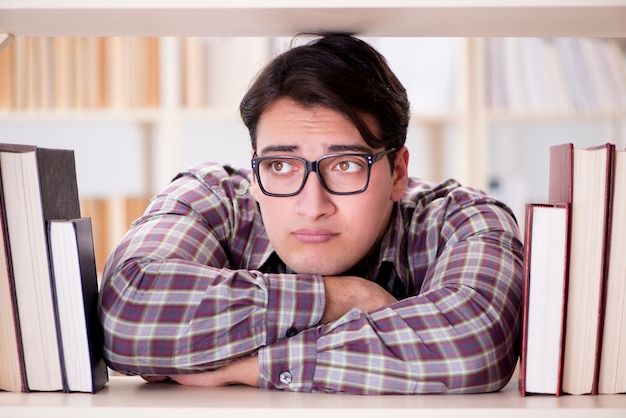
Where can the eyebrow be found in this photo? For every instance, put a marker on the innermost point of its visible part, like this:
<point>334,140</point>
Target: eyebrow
<point>353,148</point>
<point>332,149</point>
<point>278,148</point>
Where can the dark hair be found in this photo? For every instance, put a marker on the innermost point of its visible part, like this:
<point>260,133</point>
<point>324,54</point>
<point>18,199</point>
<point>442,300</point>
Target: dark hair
<point>338,72</point>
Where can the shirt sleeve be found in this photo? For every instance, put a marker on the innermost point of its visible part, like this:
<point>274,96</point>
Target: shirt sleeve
<point>172,300</point>
<point>458,334</point>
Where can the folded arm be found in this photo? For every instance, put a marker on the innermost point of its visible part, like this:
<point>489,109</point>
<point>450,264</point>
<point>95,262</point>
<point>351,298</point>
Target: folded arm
<point>459,335</point>
<point>175,300</point>
<point>456,338</point>
<point>165,311</point>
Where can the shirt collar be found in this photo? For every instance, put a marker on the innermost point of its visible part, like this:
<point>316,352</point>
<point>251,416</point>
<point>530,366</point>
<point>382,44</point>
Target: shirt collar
<point>390,270</point>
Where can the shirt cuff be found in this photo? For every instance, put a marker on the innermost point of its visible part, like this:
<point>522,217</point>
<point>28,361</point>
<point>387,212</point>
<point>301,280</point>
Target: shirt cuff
<point>294,303</point>
<point>289,364</point>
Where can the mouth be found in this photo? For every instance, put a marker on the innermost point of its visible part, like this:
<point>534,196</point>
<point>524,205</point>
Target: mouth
<point>313,236</point>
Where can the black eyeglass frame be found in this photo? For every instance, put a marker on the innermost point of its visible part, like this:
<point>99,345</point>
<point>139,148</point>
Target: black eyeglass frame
<point>313,166</point>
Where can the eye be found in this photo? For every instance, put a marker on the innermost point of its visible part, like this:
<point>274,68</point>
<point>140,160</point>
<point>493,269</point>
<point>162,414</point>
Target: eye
<point>348,165</point>
<point>281,166</point>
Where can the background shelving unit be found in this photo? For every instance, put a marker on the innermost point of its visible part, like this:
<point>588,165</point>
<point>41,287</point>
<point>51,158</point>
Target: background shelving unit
<point>467,140</point>
<point>125,152</point>
<point>127,149</point>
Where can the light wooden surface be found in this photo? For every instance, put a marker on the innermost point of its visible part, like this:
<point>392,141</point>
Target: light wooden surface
<point>287,17</point>
<point>131,397</point>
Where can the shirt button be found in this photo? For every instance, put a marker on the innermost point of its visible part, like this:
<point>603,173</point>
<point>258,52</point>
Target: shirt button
<point>285,378</point>
<point>291,332</point>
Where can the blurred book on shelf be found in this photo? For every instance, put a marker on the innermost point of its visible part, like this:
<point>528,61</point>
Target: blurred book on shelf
<point>62,73</point>
<point>555,75</point>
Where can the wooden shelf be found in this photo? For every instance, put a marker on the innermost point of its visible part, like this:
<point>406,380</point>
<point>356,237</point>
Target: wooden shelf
<point>464,18</point>
<point>131,397</point>
<point>551,117</point>
<point>121,115</point>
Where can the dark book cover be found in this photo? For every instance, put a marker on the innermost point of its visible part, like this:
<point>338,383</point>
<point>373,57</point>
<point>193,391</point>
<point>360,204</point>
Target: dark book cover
<point>89,275</point>
<point>59,187</point>
<point>44,186</point>
<point>81,245</point>
<point>561,174</point>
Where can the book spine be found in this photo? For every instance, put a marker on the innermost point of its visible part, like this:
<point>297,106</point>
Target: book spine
<point>608,210</point>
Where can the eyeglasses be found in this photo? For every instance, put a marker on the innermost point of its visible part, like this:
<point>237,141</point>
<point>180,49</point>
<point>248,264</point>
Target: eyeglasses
<point>339,174</point>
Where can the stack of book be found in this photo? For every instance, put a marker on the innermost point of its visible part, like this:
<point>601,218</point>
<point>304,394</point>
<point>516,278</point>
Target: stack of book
<point>79,73</point>
<point>50,336</point>
<point>574,313</point>
<point>555,75</point>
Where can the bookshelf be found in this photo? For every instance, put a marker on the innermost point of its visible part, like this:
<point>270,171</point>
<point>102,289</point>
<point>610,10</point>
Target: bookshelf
<point>418,18</point>
<point>187,102</point>
<point>480,18</point>
<point>161,125</point>
<point>200,79</point>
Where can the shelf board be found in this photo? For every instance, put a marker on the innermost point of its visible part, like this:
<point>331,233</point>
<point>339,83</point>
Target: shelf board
<point>436,118</point>
<point>184,115</point>
<point>223,113</point>
<point>463,18</point>
<point>554,117</point>
<point>109,115</point>
<point>220,114</point>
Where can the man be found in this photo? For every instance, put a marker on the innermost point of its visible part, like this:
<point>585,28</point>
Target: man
<point>327,268</point>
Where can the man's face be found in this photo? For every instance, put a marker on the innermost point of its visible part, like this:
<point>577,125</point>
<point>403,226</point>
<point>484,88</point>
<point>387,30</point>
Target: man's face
<point>314,231</point>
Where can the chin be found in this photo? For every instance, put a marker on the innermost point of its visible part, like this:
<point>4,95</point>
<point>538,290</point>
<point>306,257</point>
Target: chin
<point>314,266</point>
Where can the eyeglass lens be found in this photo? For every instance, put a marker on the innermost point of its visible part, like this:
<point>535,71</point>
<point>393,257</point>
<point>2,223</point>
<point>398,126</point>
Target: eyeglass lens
<point>346,173</point>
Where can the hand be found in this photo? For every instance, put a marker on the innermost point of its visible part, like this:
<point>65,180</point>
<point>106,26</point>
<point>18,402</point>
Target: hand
<point>346,292</point>
<point>243,371</point>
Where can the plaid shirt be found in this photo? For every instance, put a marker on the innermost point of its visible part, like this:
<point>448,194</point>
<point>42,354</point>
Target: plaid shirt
<point>195,284</point>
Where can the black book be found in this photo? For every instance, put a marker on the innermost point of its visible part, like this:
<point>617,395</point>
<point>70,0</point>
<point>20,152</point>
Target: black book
<point>75,286</point>
<point>38,184</point>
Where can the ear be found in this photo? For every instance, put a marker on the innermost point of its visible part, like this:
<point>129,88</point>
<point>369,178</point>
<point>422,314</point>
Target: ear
<point>400,175</point>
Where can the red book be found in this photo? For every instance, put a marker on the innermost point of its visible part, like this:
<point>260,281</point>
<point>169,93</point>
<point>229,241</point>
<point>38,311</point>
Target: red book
<point>546,245</point>
<point>582,178</point>
<point>612,377</point>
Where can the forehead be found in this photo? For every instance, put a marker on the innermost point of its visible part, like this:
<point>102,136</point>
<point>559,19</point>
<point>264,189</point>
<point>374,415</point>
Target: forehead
<point>290,126</point>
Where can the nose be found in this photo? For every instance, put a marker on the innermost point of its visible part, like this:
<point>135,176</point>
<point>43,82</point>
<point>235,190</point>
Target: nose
<point>314,201</point>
